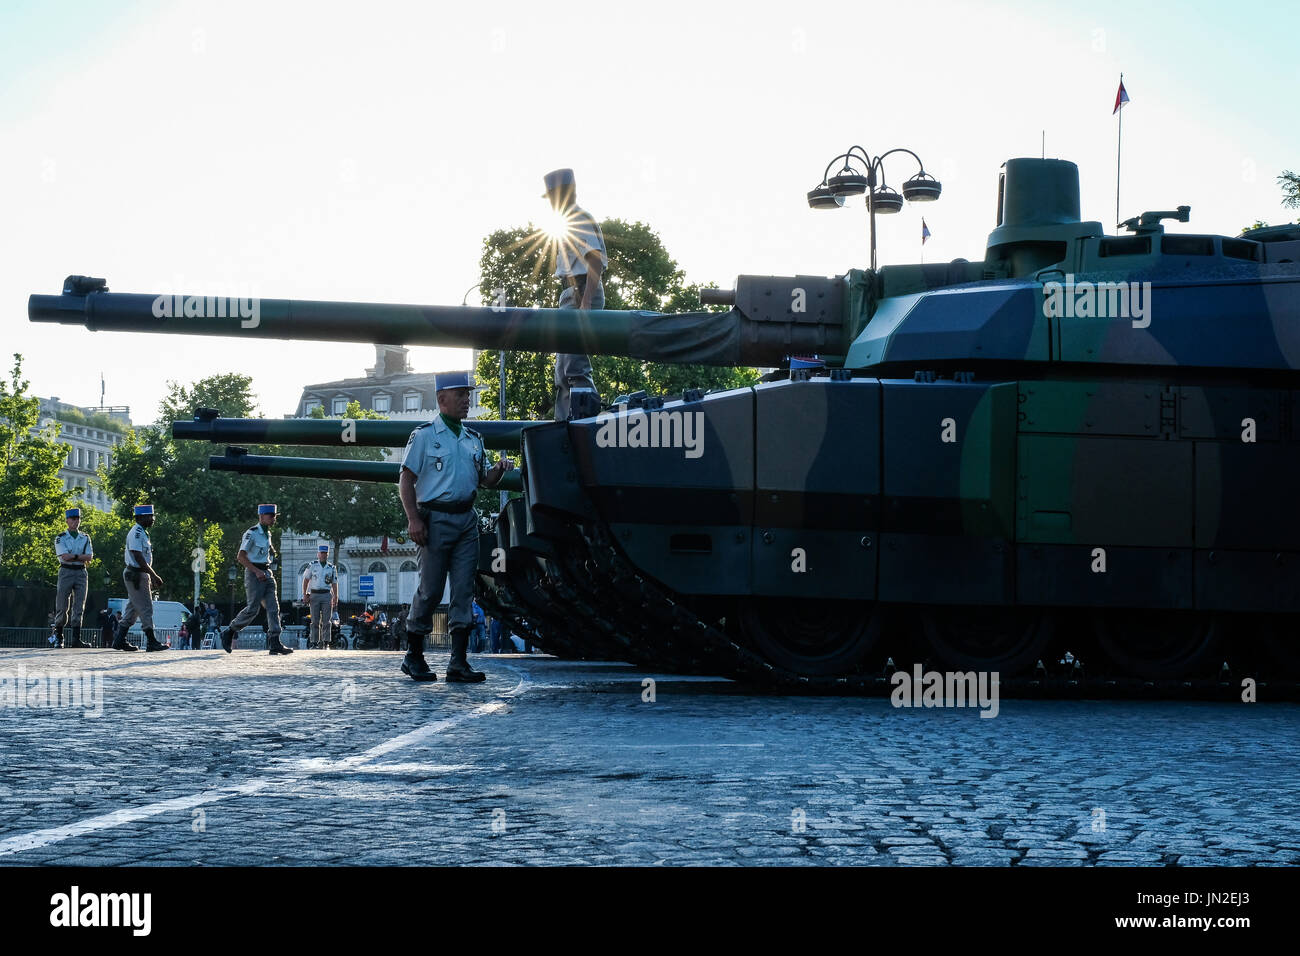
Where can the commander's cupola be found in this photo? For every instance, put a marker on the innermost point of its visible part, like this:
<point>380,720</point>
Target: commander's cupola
<point>1038,216</point>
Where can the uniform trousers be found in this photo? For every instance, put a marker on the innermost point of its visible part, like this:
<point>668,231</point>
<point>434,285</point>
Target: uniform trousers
<point>452,548</point>
<point>139,602</point>
<point>70,599</point>
<point>573,371</point>
<point>319,632</point>
<point>260,594</point>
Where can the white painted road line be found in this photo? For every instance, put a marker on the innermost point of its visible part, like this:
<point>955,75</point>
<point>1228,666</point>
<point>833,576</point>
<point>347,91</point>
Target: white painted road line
<point>107,821</point>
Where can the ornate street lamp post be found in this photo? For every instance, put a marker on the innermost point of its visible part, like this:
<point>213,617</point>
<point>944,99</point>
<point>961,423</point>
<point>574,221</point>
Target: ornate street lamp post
<point>864,173</point>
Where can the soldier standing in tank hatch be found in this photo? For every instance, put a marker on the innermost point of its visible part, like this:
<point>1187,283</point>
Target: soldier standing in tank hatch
<point>74,551</point>
<point>443,468</point>
<point>580,261</point>
<point>139,576</point>
<point>320,589</point>
<point>255,554</point>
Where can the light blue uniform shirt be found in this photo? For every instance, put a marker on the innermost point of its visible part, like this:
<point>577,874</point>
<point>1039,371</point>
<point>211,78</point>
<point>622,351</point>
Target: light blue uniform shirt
<point>256,543</point>
<point>68,544</point>
<point>447,469</point>
<point>137,539</point>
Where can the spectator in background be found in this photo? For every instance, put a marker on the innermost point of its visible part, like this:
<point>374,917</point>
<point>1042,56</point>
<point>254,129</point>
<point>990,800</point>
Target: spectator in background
<point>478,628</point>
<point>196,630</point>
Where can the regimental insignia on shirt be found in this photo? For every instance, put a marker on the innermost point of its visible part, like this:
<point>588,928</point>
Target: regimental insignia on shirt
<point>437,463</point>
<point>411,437</point>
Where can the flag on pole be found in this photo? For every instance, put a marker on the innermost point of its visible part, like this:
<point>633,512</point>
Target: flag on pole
<point>925,231</point>
<point>1121,97</point>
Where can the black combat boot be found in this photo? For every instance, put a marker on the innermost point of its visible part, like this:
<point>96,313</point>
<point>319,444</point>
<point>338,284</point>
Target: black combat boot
<point>58,637</point>
<point>120,643</point>
<point>76,638</point>
<point>458,669</point>
<point>228,639</point>
<point>414,665</point>
<point>273,645</point>
<point>150,643</point>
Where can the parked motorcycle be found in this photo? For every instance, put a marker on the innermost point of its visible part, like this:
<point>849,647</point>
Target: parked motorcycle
<point>372,635</point>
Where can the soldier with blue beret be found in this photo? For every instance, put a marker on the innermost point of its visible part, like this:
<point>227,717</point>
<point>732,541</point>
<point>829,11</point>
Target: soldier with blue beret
<point>139,577</point>
<point>74,551</point>
<point>255,554</point>
<point>580,261</point>
<point>320,589</point>
<point>443,468</point>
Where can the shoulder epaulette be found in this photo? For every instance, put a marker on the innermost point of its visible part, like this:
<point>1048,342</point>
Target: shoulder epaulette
<point>471,431</point>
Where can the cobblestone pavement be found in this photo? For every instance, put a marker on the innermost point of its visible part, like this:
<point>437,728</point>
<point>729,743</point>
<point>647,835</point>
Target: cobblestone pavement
<point>335,757</point>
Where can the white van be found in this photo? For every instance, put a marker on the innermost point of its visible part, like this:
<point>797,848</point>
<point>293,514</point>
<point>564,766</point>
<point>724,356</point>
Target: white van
<point>168,616</point>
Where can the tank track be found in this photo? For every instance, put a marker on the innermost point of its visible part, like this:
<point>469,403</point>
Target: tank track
<point>588,601</point>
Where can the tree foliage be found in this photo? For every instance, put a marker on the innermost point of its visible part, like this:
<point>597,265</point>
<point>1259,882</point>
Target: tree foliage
<point>1290,183</point>
<point>334,509</point>
<point>32,496</point>
<point>642,275</point>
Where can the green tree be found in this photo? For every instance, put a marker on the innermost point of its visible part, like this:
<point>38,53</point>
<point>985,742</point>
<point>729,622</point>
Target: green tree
<point>32,496</point>
<point>107,530</point>
<point>518,263</point>
<point>337,509</point>
<point>1290,183</point>
<point>197,508</point>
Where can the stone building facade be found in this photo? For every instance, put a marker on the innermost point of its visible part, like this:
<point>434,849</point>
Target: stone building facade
<point>92,447</point>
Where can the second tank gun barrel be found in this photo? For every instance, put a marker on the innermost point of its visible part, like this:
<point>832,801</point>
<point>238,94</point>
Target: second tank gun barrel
<point>385,472</point>
<point>378,433</point>
<point>772,317</point>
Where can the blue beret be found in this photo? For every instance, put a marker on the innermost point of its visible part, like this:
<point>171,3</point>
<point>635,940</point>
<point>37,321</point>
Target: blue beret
<point>557,178</point>
<point>144,509</point>
<point>447,380</point>
<point>72,513</point>
<point>266,509</point>
<point>323,547</point>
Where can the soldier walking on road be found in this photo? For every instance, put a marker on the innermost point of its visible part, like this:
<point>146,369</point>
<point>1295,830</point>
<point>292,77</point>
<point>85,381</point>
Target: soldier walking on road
<point>75,552</point>
<point>580,260</point>
<point>255,554</point>
<point>320,588</point>
<point>443,467</point>
<point>139,577</point>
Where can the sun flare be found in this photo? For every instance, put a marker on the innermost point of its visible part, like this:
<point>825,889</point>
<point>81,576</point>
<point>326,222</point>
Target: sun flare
<point>555,225</point>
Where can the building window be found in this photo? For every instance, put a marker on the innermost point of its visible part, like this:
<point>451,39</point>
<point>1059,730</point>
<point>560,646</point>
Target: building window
<point>412,403</point>
<point>408,581</point>
<point>310,404</point>
<point>383,403</point>
<point>341,405</point>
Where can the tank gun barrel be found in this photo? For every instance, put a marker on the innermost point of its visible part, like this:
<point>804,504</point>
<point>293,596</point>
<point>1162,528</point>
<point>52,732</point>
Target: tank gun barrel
<point>238,460</point>
<point>772,317</point>
<point>379,433</point>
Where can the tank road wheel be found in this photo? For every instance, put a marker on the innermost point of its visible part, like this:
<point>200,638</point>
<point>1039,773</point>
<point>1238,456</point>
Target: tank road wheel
<point>818,639</point>
<point>1160,645</point>
<point>1008,640</point>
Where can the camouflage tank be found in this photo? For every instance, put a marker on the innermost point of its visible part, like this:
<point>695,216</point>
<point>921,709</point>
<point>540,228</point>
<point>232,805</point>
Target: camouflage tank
<point>1080,443</point>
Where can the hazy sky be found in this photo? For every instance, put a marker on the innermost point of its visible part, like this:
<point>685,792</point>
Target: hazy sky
<point>362,151</point>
